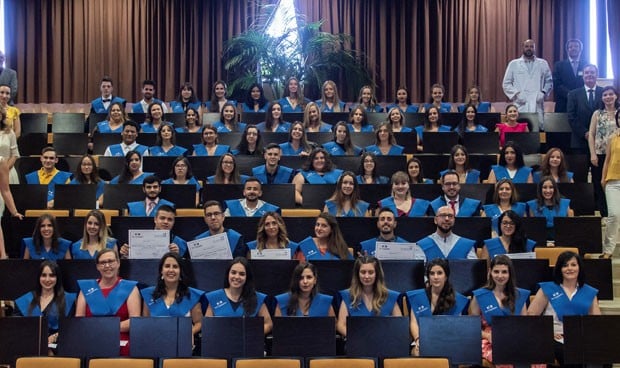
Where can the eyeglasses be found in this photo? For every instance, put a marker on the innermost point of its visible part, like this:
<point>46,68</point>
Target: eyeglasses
<point>107,263</point>
<point>213,214</point>
<point>445,215</point>
<point>508,223</point>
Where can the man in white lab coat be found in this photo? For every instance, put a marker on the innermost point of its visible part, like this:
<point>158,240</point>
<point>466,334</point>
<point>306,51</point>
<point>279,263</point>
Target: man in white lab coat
<point>528,81</point>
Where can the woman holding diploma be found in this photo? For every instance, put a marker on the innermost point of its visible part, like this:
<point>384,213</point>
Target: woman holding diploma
<point>304,299</point>
<point>511,237</point>
<point>109,295</point>
<point>272,234</point>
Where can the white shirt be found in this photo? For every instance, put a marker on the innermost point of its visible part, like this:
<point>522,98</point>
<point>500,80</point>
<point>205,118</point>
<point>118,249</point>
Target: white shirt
<point>446,244</point>
<point>125,148</point>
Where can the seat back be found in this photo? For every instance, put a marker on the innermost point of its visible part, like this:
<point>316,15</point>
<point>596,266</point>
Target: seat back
<point>342,363</point>
<point>47,362</point>
<point>121,363</point>
<point>416,362</point>
<point>194,363</point>
<point>552,253</point>
<point>268,362</point>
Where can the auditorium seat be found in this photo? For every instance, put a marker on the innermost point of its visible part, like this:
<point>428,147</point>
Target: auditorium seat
<point>210,117</point>
<point>194,363</point>
<point>121,363</point>
<point>551,253</point>
<point>68,122</point>
<point>268,362</point>
<point>47,362</point>
<point>416,362</point>
<point>300,212</point>
<point>107,213</point>
<point>37,213</point>
<point>342,362</point>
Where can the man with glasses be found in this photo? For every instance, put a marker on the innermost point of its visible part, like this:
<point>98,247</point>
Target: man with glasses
<point>214,218</point>
<point>461,206</point>
<point>443,243</point>
<point>151,186</point>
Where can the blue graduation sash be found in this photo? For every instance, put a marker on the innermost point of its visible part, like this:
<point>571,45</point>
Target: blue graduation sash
<point>158,308</point>
<point>495,246</point>
<point>358,211</point>
<point>419,207</point>
<point>139,208</point>
<point>362,311</point>
<point>330,177</point>
<point>221,307</point>
<point>421,306</point>
<point>319,307</point>
<point>459,251</point>
<point>77,253</point>
<point>370,245</point>
<point>232,235</point>
<point>490,307</point>
<point>283,174</point>
<point>52,314</point>
<point>103,127</point>
<point>220,149</point>
<point>550,214</point>
<point>311,251</point>
<point>520,176</point>
<point>236,209</point>
<point>63,247</point>
<point>578,306</point>
<point>100,305</point>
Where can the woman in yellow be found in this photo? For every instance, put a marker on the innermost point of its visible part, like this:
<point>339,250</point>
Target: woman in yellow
<point>12,112</point>
<point>611,185</point>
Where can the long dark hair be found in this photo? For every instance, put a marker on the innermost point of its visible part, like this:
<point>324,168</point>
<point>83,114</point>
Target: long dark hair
<point>173,138</point>
<point>182,288</point>
<point>362,171</point>
<point>243,145</point>
<point>420,178</point>
<point>339,198</point>
<point>453,151</point>
<point>519,162</point>
<point>518,240</point>
<point>192,99</point>
<point>329,164</point>
<point>37,239</point>
<point>215,104</point>
<point>269,115</point>
<point>462,127</point>
<point>510,290</point>
<point>336,244</point>
<point>185,160</point>
<point>248,292</point>
<point>556,193</point>
<point>293,302</point>
<point>126,176</point>
<point>562,260</point>
<point>262,101</point>
<point>347,144</point>
<point>447,296</point>
<point>59,291</point>
<point>81,178</point>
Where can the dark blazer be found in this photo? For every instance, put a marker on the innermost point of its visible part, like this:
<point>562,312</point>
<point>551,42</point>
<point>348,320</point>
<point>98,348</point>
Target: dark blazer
<point>580,114</point>
<point>564,81</point>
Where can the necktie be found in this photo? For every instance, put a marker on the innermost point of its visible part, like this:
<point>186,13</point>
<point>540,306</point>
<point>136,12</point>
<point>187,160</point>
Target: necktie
<point>591,98</point>
<point>106,100</point>
<point>453,206</point>
<point>149,207</point>
<point>575,65</point>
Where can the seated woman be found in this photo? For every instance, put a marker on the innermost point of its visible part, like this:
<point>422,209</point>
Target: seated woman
<point>88,174</point>
<point>172,296</point>
<point>218,97</point>
<point>505,198</point>
<point>227,171</point>
<point>511,166</point>
<point>459,162</point>
<point>96,237</point>
<point>182,174</point>
<point>271,233</point>
<point>431,124</point>
<point>368,295</point>
<point>297,144</point>
<point>474,98</point>
<point>251,143</point>
<point>110,295</point>
<point>293,100</point>
<point>327,242</point>
<point>511,237</point>
<point>437,298</point>
<point>209,146</point>
<point>48,299</point>
<point>549,204</point>
<point>330,101</point>
<point>554,165</point>
<point>114,121</point>
<point>469,123</point>
<point>436,100</point>
<point>499,297</point>
<point>186,99</point>
<point>367,172</point>
<point>396,119</point>
<point>154,119</point>
<point>416,173</point>
<point>358,121</point>
<point>318,169</point>
<point>46,242</point>
<point>165,145</point>
<point>341,144</point>
<point>132,171</point>
<point>304,299</point>
<point>385,142</point>
<point>346,201</point>
<point>368,101</point>
<point>229,120</point>
<point>273,120</point>
<point>566,295</point>
<point>313,121</point>
<point>402,101</point>
<point>401,202</point>
<point>511,125</point>
<point>239,297</point>
<point>255,100</point>
<point>192,122</point>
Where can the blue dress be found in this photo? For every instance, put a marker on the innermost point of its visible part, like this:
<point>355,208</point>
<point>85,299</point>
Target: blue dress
<point>201,150</point>
<point>442,129</point>
<point>323,128</point>
<point>147,127</point>
<point>368,128</point>
<point>175,151</point>
<point>472,176</point>
<point>158,308</point>
<point>326,108</point>
<point>537,175</point>
<point>421,306</point>
<point>286,105</point>
<point>51,312</point>
<point>222,307</point>
<point>288,150</point>
<point>549,213</point>
<point>246,108</point>
<point>177,106</point>
<point>330,177</point>
<point>478,129</point>
<point>483,107</point>
<point>378,180</point>
<point>418,208</point>
<point>221,127</point>
<point>104,128</point>
<point>410,108</point>
<point>444,107</point>
<point>77,253</point>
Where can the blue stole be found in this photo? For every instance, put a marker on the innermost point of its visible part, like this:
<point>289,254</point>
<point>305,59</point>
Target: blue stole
<point>493,211</point>
<point>369,246</point>
<point>77,253</point>
<point>211,179</point>
<point>418,208</point>
<point>104,128</point>
<point>335,149</point>
<point>520,176</point>
<point>537,175</point>
<point>291,245</point>
<point>550,214</point>
<point>220,149</point>
<point>221,306</point>
<point>247,108</point>
<point>100,186</point>
<point>288,150</point>
<point>319,307</point>
<point>175,151</point>
<point>139,208</point>
<point>459,251</point>
<point>330,177</point>
<point>137,106</point>
<point>311,251</point>
<point>51,312</point>
<point>490,307</point>
<point>63,247</point>
<point>191,181</point>
<point>158,308</point>
<point>472,176</point>
<point>117,150</point>
<point>467,207</point>
<point>233,238</point>
<point>483,107</point>
<point>365,128</point>
<point>441,129</point>
<point>477,129</point>
<point>378,180</point>
<point>323,128</point>
<point>137,180</point>
<point>100,305</point>
<point>286,106</point>
<point>362,311</point>
<point>410,108</point>
<point>578,306</point>
<point>221,127</point>
<point>97,104</point>
<point>61,177</point>
<point>236,209</point>
<point>147,126</point>
<point>443,107</point>
<point>358,211</point>
<point>208,104</point>
<point>421,306</point>
<point>495,246</point>
<point>283,174</point>
<point>326,108</point>
<point>177,106</point>
<point>283,127</point>
<point>395,150</point>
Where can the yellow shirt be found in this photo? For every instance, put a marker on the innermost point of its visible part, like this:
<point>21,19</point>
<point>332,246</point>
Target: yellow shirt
<point>45,178</point>
<point>613,170</point>
<point>12,113</point>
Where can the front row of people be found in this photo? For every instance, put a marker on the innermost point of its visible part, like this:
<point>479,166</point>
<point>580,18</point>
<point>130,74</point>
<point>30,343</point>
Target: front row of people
<point>368,295</point>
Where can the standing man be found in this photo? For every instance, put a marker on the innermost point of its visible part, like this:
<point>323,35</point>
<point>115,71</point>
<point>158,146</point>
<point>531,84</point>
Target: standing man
<point>250,205</point>
<point>443,243</point>
<point>148,97</point>
<point>151,186</point>
<point>568,74</point>
<point>272,172</point>
<point>8,76</point>
<point>101,104</point>
<point>528,81</point>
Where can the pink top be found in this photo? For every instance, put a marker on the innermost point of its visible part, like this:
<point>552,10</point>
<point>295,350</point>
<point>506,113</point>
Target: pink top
<point>504,128</point>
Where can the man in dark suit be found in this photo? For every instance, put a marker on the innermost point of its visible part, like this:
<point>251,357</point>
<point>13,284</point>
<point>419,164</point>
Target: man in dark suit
<point>568,74</point>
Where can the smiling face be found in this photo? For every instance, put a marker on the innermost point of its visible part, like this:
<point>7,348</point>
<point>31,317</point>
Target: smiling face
<point>228,164</point>
<point>433,115</point>
<point>395,117</point>
<point>237,276</point>
<point>470,113</point>
<point>228,113</point>
<point>87,166</point>
<point>156,111</point>
<point>49,160</point>
<point>400,188</point>
<point>47,279</point>
<point>93,227</point>
<point>547,190</point>
<point>570,270</point>
<point>386,223</point>
<point>318,162</point>
<point>451,186</point>
<point>166,132</point>
<point>348,185</point>
<point>272,228</point>
<point>512,113</point>
<point>357,116</point>
<point>293,85</point>
<point>413,169</point>
<point>46,229</point>
<point>369,164</point>
<point>366,95</point>
<point>507,226</point>
<point>510,155</point>
<point>313,114</point>
<point>459,157</point>
<point>209,136</point>
<point>170,270</point>
<point>164,220</point>
<point>322,228</point>
<point>590,74</point>
<point>437,94</point>
<point>108,265</point>
<point>555,159</point>
<point>252,191</point>
<point>186,93</point>
<point>401,95</point>
<point>276,111</point>
<point>219,90</point>
<point>116,113</point>
<point>307,281</point>
<point>504,192</point>
<point>191,117</point>
<point>329,91</point>
<point>500,274</point>
<point>135,163</point>
<point>341,133</point>
<point>474,95</point>
<point>444,219</point>
<point>609,97</point>
<point>129,134</point>
<point>5,94</point>
<point>297,131</point>
<point>148,91</point>
<point>272,156</point>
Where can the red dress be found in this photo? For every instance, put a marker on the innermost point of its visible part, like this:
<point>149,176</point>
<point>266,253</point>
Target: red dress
<point>504,128</point>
